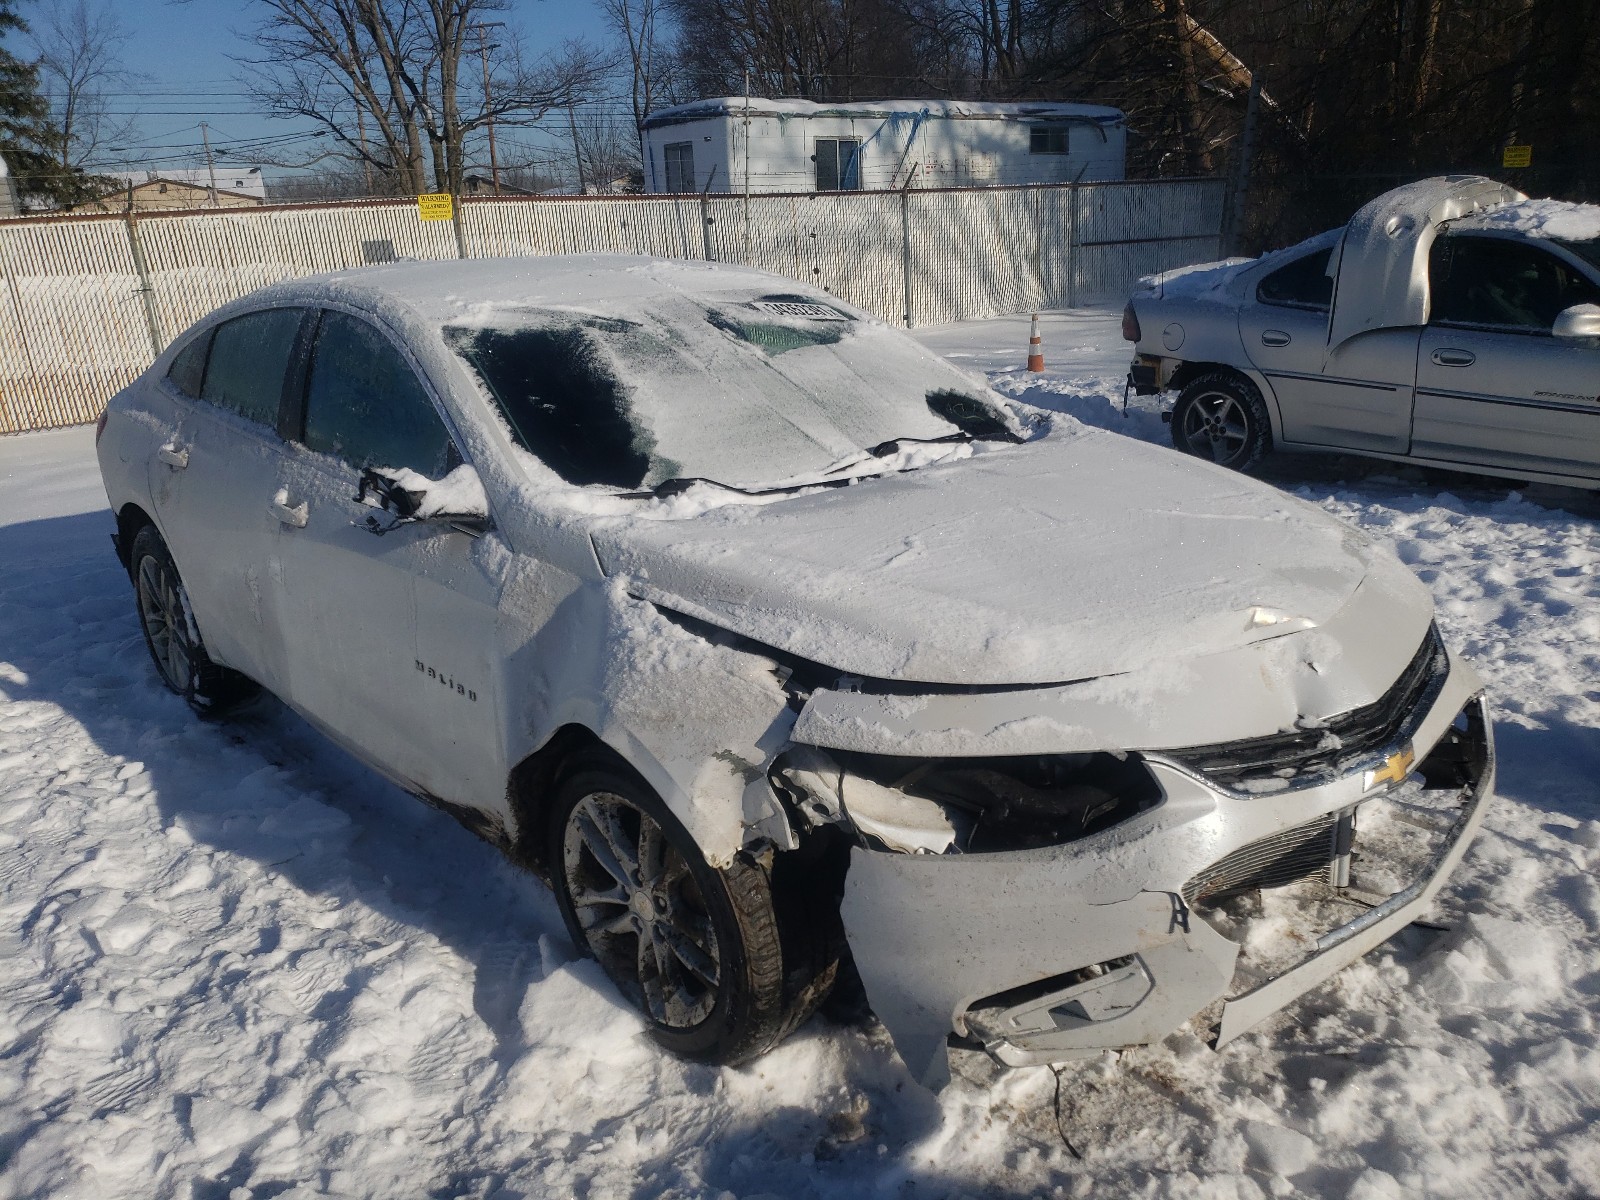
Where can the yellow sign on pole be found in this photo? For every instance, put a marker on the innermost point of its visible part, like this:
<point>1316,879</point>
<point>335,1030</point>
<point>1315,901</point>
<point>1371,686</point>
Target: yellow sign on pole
<point>436,206</point>
<point>1516,156</point>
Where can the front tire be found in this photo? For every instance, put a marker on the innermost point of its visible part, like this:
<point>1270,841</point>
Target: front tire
<point>696,948</point>
<point>171,635</point>
<point>1221,416</point>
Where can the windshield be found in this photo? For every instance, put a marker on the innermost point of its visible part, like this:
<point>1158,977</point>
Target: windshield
<point>745,391</point>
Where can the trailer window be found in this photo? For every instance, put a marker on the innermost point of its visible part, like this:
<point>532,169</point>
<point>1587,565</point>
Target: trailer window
<point>678,158</point>
<point>1047,139</point>
<point>838,165</point>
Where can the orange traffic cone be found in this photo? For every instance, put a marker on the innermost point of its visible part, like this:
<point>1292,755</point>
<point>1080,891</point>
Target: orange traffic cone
<point>1035,347</point>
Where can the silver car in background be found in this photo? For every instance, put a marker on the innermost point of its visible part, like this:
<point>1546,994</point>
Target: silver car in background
<point>776,643</point>
<point>1453,322</point>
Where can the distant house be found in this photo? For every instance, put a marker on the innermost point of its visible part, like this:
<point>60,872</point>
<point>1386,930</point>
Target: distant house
<point>799,146</point>
<point>162,193</point>
<point>247,181</point>
<point>484,185</point>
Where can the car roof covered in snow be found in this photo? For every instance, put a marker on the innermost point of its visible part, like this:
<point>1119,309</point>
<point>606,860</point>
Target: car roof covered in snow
<point>1561,220</point>
<point>445,291</point>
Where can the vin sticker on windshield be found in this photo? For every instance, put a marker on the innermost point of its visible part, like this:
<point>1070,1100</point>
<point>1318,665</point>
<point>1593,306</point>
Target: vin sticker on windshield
<point>793,308</point>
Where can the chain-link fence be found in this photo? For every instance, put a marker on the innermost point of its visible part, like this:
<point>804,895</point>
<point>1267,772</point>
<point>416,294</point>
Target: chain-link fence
<point>88,302</point>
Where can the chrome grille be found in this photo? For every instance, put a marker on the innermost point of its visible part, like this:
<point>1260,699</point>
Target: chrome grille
<point>1310,755</point>
<point>1274,861</point>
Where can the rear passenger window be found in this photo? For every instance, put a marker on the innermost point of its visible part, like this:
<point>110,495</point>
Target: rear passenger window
<point>249,359</point>
<point>188,370</point>
<point>365,405</point>
<point>1304,283</point>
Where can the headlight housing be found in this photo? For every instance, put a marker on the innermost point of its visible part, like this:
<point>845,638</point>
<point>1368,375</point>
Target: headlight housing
<point>965,805</point>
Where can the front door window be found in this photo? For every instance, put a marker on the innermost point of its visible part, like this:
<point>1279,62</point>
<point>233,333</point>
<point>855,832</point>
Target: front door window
<point>1501,284</point>
<point>366,406</point>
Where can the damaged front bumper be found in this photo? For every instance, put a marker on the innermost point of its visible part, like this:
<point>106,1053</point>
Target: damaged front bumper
<point>1120,938</point>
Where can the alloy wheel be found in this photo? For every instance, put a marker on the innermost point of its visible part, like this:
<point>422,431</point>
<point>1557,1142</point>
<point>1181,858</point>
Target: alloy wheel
<point>641,909</point>
<point>1218,422</point>
<point>164,611</point>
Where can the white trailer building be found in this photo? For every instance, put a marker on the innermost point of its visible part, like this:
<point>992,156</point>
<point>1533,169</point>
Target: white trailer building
<point>799,146</point>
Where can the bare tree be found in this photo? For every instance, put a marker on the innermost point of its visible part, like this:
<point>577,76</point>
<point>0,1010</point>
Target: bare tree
<point>610,150</point>
<point>637,23</point>
<point>79,44</point>
<point>385,78</point>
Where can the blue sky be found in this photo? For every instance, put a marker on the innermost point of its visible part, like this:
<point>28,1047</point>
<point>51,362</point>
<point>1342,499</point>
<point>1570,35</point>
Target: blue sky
<point>181,49</point>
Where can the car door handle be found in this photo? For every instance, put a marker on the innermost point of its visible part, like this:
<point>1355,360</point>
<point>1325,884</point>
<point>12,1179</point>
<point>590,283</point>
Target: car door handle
<point>174,455</point>
<point>1275,337</point>
<point>1446,357</point>
<point>290,514</point>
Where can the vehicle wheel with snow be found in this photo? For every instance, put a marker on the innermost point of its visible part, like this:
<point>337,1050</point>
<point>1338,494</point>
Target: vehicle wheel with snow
<point>696,948</point>
<point>1221,416</point>
<point>170,633</point>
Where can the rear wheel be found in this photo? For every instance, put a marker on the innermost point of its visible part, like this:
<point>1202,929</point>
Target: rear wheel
<point>171,635</point>
<point>695,947</point>
<point>1221,416</point>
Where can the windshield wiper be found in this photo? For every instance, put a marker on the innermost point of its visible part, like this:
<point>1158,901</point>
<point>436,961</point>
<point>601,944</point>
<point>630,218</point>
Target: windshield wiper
<point>679,484</point>
<point>892,446</point>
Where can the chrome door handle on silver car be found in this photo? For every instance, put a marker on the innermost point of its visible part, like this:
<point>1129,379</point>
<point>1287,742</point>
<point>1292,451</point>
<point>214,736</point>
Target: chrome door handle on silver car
<point>290,514</point>
<point>1454,358</point>
<point>174,455</point>
<point>1274,337</point>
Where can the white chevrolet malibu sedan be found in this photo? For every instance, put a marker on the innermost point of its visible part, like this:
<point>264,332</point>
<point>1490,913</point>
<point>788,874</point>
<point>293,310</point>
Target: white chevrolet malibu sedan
<point>784,649</point>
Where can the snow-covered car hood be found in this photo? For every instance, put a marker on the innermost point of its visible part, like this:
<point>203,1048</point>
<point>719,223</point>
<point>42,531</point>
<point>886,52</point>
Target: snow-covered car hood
<point>1077,556</point>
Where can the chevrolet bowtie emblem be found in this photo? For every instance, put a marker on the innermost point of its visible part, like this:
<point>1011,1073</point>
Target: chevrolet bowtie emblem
<point>1394,770</point>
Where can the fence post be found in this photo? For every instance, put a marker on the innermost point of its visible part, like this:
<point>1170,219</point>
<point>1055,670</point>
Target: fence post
<point>19,423</point>
<point>146,292</point>
<point>905,245</point>
<point>705,215</point>
<point>459,220</point>
<point>1233,207</point>
<point>1072,246</point>
<point>1043,298</point>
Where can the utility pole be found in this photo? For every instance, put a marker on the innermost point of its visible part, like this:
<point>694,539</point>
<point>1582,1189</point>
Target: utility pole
<point>488,101</point>
<point>577,151</point>
<point>211,167</point>
<point>1241,178</point>
<point>361,132</point>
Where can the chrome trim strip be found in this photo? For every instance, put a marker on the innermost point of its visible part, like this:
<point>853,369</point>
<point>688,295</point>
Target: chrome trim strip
<point>1360,383</point>
<point>1513,402</point>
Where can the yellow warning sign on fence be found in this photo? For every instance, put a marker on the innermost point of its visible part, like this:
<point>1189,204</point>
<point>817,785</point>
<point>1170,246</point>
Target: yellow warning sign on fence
<point>1516,156</point>
<point>436,206</point>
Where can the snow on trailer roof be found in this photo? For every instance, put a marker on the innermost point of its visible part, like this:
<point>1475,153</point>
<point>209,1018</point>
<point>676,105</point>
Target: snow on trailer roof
<point>967,110</point>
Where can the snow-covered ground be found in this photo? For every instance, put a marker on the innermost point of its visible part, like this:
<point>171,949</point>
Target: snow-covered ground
<point>234,964</point>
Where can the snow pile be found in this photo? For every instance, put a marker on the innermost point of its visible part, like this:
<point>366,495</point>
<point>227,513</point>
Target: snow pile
<point>1562,220</point>
<point>235,964</point>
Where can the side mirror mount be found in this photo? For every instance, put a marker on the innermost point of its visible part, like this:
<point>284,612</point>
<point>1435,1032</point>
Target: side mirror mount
<point>381,490</point>
<point>1581,321</point>
<point>408,497</point>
